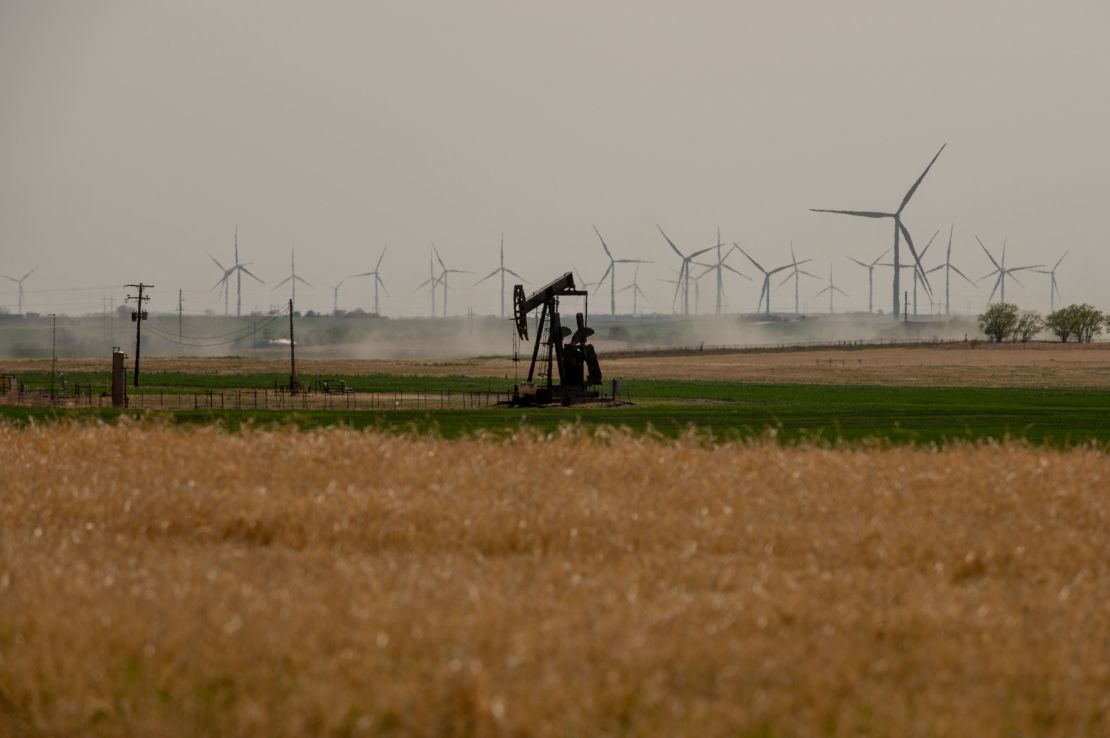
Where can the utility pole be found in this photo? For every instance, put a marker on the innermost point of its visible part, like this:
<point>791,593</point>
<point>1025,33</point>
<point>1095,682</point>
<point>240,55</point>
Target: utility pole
<point>53,353</point>
<point>905,306</point>
<point>292,353</point>
<point>180,306</point>
<point>138,315</point>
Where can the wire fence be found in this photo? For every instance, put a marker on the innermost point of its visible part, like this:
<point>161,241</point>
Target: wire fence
<point>265,399</point>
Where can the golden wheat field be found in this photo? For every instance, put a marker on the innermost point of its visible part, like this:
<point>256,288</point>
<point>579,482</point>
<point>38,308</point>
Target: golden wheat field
<point>165,582</point>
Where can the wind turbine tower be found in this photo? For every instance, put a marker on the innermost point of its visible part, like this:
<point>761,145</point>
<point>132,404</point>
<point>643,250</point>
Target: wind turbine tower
<point>915,271</point>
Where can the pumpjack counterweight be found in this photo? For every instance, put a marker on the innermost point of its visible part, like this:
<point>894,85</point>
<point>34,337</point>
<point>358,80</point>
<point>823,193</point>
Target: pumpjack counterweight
<point>556,348</point>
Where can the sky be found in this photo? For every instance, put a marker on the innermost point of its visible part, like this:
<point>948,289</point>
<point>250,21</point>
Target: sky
<point>136,135</point>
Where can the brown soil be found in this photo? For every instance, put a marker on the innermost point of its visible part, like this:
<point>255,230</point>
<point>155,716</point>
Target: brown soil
<point>1029,365</point>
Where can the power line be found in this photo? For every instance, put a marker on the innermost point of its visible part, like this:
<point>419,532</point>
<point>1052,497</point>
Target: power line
<point>251,330</point>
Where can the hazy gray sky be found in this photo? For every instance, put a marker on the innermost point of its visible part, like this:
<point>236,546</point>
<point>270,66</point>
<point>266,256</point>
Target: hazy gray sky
<point>135,135</point>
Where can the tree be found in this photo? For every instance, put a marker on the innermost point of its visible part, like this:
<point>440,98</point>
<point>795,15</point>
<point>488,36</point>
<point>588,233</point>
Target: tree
<point>1000,321</point>
<point>1060,323</point>
<point>1089,322</point>
<point>1029,324</point>
<point>1082,322</point>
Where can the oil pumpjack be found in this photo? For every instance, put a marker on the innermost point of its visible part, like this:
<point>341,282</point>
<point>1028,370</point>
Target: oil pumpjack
<point>575,360</point>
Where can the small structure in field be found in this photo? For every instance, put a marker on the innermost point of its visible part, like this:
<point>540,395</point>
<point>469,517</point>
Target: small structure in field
<point>574,360</point>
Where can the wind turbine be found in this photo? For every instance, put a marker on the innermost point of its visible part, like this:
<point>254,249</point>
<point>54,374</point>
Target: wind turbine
<point>444,271</point>
<point>682,284</point>
<point>697,287</point>
<point>376,274</point>
<point>636,291</point>
<point>238,269</point>
<point>432,280</point>
<point>796,275</point>
<point>581,281</point>
<point>1002,271</point>
<point>765,293</point>
<point>719,268</point>
<point>611,272</point>
<point>948,268</point>
<point>899,228</point>
<point>335,288</point>
<point>832,288</point>
<point>20,283</point>
<point>870,279</point>
<point>222,281</point>
<point>1053,290</point>
<point>674,302</point>
<point>915,272</point>
<point>293,277</point>
<point>502,270</point>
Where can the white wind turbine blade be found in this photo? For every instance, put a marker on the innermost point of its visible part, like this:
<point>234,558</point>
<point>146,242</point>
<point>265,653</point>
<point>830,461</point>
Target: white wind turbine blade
<point>919,267</point>
<point>880,256</point>
<point>736,272</point>
<point>668,240</point>
<point>957,271</point>
<point>753,261</point>
<point>913,189</point>
<point>598,283</point>
<point>859,213</point>
<point>494,273</point>
<point>603,244</point>
<point>988,253</point>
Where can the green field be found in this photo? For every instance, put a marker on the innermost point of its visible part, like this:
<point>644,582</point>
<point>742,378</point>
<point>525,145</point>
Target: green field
<point>727,410</point>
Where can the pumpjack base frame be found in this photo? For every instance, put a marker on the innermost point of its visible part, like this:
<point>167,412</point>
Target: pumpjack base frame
<point>558,394</point>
